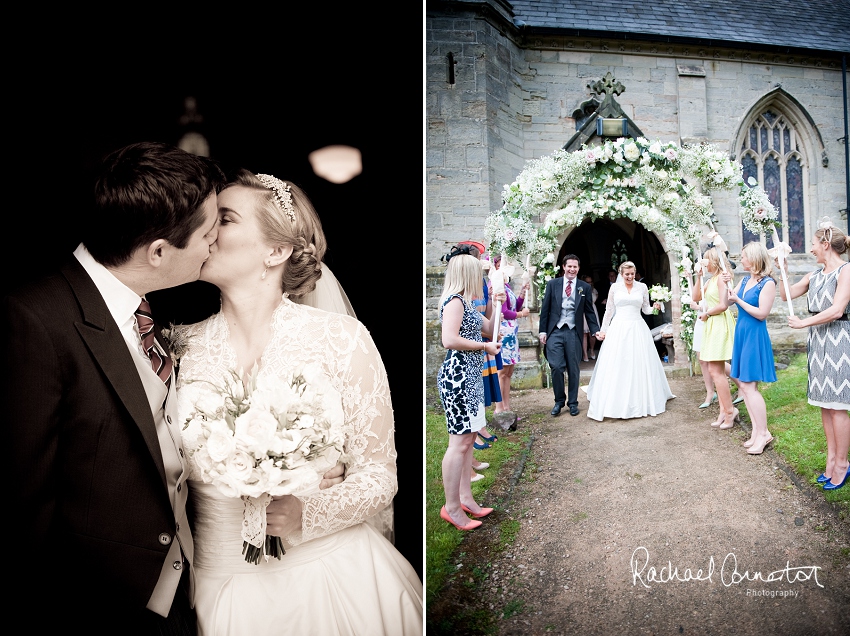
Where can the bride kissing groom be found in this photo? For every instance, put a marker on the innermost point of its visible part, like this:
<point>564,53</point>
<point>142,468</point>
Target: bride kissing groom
<point>97,470</point>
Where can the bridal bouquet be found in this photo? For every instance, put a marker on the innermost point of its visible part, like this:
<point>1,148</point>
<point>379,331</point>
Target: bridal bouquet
<point>265,438</point>
<point>660,293</point>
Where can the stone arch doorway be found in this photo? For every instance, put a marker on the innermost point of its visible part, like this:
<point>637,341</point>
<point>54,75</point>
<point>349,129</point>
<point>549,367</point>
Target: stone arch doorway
<point>602,243</point>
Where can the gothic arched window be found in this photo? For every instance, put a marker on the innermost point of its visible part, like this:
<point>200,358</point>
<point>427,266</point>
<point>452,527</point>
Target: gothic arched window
<point>773,156</point>
<point>619,254</point>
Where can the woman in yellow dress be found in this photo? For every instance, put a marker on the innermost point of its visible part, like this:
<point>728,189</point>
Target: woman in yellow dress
<point>717,337</point>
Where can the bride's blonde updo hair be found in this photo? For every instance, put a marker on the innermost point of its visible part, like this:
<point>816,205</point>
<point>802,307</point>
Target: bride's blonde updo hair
<point>626,265</point>
<point>287,217</point>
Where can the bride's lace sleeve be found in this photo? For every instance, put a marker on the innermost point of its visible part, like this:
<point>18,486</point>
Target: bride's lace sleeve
<point>610,308</point>
<point>646,307</point>
<point>370,480</point>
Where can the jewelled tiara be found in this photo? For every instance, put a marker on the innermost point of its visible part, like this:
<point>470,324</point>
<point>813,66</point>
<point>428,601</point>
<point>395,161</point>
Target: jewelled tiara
<point>281,193</point>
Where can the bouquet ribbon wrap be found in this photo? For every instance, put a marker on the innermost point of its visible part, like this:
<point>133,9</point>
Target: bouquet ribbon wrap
<point>780,252</point>
<point>497,281</point>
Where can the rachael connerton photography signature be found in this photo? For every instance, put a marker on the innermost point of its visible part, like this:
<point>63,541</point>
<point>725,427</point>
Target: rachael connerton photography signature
<point>729,573</point>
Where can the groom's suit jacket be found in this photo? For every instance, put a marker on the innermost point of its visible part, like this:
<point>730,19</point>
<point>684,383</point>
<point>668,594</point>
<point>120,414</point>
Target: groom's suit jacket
<point>550,308</point>
<point>93,522</point>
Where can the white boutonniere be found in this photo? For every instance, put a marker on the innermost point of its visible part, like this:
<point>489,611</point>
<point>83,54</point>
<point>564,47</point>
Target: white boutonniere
<point>581,291</point>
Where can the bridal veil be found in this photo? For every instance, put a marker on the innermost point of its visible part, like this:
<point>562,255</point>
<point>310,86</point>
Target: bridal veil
<point>329,295</point>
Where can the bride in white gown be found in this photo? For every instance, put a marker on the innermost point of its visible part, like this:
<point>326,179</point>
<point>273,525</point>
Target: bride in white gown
<point>628,379</point>
<point>339,575</point>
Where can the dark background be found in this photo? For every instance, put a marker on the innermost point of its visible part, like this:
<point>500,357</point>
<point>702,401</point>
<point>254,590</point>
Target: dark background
<point>271,86</point>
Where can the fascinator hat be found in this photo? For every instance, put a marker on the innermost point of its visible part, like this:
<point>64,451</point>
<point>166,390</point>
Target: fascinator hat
<point>826,225</point>
<point>477,245</point>
<point>464,247</point>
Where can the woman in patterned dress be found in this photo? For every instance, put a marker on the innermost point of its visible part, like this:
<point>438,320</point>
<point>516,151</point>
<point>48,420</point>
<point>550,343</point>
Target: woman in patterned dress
<point>752,353</point>
<point>828,346</point>
<point>461,384</point>
<point>717,337</point>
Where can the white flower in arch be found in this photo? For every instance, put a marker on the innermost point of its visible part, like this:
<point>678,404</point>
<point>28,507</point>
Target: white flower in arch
<point>647,182</point>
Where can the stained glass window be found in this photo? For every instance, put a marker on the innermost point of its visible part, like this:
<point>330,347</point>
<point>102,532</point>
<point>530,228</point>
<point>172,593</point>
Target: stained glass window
<point>770,154</point>
<point>619,254</point>
<point>796,229</point>
<point>750,170</point>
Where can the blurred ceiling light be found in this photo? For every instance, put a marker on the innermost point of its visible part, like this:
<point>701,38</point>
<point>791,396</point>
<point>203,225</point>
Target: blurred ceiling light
<point>337,164</point>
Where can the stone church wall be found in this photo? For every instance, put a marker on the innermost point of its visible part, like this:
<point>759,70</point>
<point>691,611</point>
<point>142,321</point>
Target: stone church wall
<point>510,104</point>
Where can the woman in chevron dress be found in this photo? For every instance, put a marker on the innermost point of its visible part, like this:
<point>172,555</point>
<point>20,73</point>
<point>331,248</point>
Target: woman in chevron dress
<point>828,346</point>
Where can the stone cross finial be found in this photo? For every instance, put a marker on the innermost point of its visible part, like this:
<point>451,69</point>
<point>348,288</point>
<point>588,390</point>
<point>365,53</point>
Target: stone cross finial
<point>607,85</point>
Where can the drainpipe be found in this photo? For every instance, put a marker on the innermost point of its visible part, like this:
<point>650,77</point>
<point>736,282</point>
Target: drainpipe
<point>846,144</point>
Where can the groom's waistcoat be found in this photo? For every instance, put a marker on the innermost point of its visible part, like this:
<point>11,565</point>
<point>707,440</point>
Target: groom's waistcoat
<point>163,403</point>
<point>568,305</point>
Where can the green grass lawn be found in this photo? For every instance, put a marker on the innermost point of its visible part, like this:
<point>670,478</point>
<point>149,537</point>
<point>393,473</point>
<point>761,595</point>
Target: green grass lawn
<point>795,425</point>
<point>441,538</point>
<point>797,429</point>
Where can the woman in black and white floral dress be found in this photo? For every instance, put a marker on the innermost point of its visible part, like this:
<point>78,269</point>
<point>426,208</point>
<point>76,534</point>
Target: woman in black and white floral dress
<point>828,346</point>
<point>461,384</point>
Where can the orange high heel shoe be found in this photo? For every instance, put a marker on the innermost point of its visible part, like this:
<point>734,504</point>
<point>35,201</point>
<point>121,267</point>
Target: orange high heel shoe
<point>735,418</point>
<point>469,526</point>
<point>484,511</point>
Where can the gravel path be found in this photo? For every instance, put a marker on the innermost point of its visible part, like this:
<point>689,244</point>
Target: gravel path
<point>607,509</point>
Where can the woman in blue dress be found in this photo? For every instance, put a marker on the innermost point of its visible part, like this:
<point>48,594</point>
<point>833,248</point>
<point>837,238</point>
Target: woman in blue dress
<point>752,353</point>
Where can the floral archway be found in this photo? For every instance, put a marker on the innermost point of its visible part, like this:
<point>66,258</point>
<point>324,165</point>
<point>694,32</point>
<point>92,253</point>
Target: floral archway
<point>660,185</point>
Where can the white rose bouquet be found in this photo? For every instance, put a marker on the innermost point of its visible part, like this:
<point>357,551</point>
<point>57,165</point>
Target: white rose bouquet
<point>660,293</point>
<point>266,439</point>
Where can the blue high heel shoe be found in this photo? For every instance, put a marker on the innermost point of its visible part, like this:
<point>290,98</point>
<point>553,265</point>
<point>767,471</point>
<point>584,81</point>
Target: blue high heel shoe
<point>478,446</point>
<point>830,486</point>
<point>705,405</point>
<point>492,438</point>
<point>823,479</point>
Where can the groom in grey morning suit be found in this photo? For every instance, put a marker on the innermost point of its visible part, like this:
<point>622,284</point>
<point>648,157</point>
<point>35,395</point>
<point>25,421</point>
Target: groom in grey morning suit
<point>567,302</point>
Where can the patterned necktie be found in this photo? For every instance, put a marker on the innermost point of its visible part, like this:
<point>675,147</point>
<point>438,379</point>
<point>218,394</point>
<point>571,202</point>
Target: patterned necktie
<point>569,291</point>
<point>161,366</point>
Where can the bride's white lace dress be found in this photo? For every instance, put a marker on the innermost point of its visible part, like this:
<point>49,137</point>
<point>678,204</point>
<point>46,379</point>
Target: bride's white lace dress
<point>628,379</point>
<point>339,575</point>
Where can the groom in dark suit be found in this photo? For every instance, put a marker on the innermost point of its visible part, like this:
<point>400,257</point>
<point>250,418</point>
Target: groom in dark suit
<point>565,301</point>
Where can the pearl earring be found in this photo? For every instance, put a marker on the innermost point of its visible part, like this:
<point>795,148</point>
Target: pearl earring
<point>263,277</point>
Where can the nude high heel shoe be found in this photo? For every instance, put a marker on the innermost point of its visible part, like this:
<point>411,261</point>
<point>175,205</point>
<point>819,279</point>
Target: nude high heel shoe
<point>758,449</point>
<point>729,421</point>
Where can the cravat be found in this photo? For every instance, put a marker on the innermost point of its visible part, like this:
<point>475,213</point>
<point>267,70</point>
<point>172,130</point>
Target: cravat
<point>161,366</point>
<point>569,291</point>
